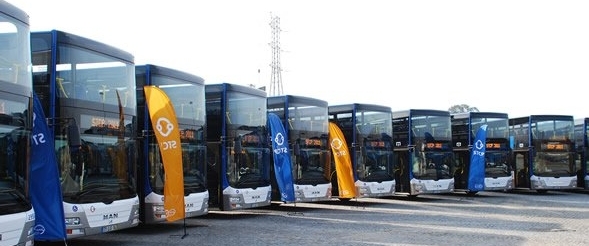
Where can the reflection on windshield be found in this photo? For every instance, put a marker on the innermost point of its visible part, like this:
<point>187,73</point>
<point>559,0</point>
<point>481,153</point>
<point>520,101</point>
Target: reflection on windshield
<point>248,167</point>
<point>96,171</point>
<point>309,166</point>
<point>193,164</point>
<point>551,164</point>
<point>496,164</point>
<point>432,165</point>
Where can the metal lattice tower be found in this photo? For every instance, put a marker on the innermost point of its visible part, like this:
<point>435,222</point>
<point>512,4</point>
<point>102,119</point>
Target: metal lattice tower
<point>275,76</point>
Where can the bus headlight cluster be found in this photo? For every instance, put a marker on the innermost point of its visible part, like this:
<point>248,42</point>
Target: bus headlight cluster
<point>418,188</point>
<point>364,190</point>
<point>72,221</point>
<point>31,231</point>
<point>158,208</point>
<point>538,183</point>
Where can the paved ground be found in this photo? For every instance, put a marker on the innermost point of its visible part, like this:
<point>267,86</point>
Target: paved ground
<point>489,218</point>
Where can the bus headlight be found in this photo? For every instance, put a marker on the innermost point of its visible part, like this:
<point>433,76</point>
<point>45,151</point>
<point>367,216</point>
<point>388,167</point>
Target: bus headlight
<point>72,221</point>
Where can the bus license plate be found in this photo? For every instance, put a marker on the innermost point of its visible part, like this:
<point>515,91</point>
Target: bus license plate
<point>109,228</point>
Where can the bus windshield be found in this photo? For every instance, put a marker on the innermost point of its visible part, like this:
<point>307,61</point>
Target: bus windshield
<point>250,157</point>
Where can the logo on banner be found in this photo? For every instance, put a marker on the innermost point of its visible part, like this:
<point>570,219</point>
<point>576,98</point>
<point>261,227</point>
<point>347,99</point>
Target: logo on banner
<point>160,127</point>
<point>336,143</point>
<point>479,146</point>
<point>279,139</point>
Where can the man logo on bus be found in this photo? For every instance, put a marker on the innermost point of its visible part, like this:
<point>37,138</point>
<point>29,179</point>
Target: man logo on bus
<point>336,143</point>
<point>279,139</point>
<point>160,127</point>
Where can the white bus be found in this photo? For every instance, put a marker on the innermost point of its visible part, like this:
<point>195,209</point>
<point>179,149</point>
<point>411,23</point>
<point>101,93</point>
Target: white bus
<point>87,90</point>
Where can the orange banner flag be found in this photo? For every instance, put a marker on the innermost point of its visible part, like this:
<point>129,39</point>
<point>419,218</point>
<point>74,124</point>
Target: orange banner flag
<point>343,162</point>
<point>165,126</point>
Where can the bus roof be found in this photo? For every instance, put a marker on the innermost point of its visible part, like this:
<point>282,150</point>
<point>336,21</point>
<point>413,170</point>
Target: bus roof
<point>75,40</point>
<point>210,88</point>
<point>409,112</point>
<point>275,100</point>
<point>480,115</point>
<point>14,12</point>
<point>358,106</point>
<point>169,72</point>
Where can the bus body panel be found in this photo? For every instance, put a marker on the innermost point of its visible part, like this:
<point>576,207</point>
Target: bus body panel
<point>312,193</point>
<point>425,186</point>
<point>499,183</point>
<point>242,198</point>
<point>17,228</point>
<point>196,204</point>
<point>368,131</point>
<point>96,218</point>
<point>375,189</point>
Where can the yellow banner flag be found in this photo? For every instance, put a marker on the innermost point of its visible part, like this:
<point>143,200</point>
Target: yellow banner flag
<point>165,126</point>
<point>343,163</point>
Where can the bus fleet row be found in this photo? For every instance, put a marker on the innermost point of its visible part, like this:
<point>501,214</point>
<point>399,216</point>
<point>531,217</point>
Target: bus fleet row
<point>110,165</point>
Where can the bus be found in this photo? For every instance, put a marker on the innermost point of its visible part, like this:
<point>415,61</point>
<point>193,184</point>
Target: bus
<point>87,89</point>
<point>423,151</point>
<point>368,132</point>
<point>582,146</point>
<point>187,94</point>
<point>17,216</point>
<point>543,152</point>
<point>306,122</point>
<point>498,173</point>
<point>238,147</point>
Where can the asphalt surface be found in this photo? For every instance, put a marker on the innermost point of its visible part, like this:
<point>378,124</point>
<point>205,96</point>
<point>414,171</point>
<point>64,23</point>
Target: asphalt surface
<point>488,218</point>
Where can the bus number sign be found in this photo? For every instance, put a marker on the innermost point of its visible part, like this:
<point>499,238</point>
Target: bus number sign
<point>312,142</point>
<point>251,139</point>
<point>376,144</point>
<point>553,146</point>
<point>493,145</point>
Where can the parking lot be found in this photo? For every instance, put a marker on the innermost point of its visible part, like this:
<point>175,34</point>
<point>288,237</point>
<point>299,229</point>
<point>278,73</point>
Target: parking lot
<point>488,218</point>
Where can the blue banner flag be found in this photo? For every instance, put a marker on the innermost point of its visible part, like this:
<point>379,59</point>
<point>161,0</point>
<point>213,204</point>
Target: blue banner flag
<point>476,174</point>
<point>282,162</point>
<point>45,188</point>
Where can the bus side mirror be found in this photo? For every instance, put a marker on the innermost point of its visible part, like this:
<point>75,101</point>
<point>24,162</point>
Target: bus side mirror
<point>296,149</point>
<point>73,132</point>
<point>237,145</point>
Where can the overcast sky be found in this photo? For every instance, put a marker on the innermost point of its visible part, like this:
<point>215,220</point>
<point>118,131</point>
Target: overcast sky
<point>517,57</point>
